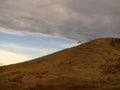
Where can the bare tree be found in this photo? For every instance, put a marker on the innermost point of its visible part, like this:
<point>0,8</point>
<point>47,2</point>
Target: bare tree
<point>79,42</point>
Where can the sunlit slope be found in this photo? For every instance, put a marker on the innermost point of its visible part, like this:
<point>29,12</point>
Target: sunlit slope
<point>94,65</point>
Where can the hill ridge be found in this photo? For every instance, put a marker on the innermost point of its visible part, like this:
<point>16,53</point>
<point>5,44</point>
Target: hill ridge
<point>87,66</point>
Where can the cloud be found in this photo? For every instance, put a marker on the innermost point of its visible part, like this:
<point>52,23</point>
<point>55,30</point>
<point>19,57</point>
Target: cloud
<point>32,52</point>
<point>7,57</point>
<point>78,19</point>
<point>24,48</point>
<point>9,31</point>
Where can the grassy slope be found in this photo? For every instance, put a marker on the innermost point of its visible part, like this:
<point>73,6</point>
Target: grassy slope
<point>94,65</point>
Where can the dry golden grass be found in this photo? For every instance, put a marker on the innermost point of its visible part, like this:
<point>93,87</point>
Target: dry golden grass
<point>94,65</point>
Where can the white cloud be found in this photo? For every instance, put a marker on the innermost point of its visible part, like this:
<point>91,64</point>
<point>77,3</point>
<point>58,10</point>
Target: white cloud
<point>7,57</point>
<point>26,49</point>
<point>9,31</point>
<point>23,48</point>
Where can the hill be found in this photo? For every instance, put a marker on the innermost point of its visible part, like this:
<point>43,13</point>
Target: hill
<point>94,65</point>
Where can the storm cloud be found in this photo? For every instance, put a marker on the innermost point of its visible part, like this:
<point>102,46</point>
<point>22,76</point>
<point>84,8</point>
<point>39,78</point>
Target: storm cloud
<point>74,19</point>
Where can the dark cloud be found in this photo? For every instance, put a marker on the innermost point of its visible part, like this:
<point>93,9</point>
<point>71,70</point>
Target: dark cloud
<point>74,19</point>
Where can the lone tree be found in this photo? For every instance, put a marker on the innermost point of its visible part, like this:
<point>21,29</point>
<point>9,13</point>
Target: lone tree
<point>79,42</point>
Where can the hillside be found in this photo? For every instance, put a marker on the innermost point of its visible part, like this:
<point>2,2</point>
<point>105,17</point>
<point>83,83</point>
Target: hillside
<point>94,65</point>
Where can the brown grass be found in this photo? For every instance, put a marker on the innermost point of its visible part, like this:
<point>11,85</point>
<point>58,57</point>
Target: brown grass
<point>94,65</point>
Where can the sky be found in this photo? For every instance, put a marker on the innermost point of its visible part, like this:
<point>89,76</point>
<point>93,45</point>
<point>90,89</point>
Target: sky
<point>18,47</point>
<point>34,25</point>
